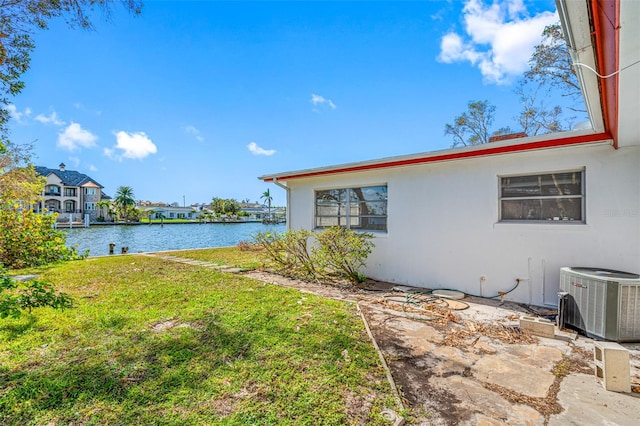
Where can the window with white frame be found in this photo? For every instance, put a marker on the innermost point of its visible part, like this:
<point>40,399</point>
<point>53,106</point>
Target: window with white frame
<point>543,197</point>
<point>362,208</point>
<point>91,191</point>
<point>89,206</point>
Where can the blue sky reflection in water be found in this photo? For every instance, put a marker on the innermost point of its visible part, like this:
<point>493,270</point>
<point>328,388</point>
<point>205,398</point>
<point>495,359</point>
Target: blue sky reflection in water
<point>144,238</point>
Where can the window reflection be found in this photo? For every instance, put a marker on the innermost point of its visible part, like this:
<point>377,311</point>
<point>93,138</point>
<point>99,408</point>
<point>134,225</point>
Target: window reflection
<point>543,197</point>
<point>357,208</point>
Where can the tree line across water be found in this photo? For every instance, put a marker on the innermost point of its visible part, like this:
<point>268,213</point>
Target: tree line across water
<point>123,207</point>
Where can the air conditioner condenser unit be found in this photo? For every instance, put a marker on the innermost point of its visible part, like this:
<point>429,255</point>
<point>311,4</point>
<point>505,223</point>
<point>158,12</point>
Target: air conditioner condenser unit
<point>602,303</point>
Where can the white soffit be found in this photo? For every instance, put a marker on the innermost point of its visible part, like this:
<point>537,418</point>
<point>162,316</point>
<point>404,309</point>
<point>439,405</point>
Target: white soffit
<point>574,18</point>
<point>629,79</point>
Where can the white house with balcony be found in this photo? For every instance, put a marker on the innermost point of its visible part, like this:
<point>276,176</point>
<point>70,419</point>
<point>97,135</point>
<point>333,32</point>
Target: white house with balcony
<point>512,211</point>
<point>71,194</point>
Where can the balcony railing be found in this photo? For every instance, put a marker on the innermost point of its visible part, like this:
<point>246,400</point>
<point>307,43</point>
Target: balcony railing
<point>62,211</point>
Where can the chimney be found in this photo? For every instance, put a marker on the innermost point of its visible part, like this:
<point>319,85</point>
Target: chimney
<point>506,137</point>
<point>62,166</point>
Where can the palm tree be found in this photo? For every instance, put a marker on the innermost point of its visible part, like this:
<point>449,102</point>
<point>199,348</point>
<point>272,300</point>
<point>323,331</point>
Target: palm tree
<point>101,205</point>
<point>124,200</point>
<point>148,214</point>
<point>266,195</point>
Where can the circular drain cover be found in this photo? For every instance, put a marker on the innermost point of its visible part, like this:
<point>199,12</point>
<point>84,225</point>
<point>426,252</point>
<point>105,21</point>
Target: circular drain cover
<point>448,294</point>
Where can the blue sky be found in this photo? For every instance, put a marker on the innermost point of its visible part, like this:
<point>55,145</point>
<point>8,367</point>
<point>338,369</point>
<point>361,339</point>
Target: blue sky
<point>196,99</point>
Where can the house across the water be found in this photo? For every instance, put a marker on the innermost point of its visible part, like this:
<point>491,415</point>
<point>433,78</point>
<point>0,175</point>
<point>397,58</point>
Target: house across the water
<point>482,219</point>
<point>71,194</point>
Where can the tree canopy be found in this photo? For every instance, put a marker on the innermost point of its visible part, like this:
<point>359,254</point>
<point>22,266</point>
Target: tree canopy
<point>473,126</point>
<point>551,63</point>
<point>19,182</point>
<point>124,201</point>
<point>226,206</point>
<point>550,68</point>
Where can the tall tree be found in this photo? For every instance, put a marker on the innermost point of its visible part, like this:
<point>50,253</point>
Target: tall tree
<point>19,182</point>
<point>227,206</point>
<point>551,64</point>
<point>231,207</point>
<point>535,118</point>
<point>266,196</point>
<point>124,200</point>
<point>217,205</point>
<point>473,126</point>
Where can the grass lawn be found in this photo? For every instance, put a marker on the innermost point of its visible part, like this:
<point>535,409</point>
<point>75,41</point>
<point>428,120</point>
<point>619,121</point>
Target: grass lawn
<point>229,256</point>
<point>155,342</point>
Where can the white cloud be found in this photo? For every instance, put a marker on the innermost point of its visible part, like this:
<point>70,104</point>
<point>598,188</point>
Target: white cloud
<point>92,168</point>
<point>74,137</point>
<point>499,38</point>
<point>256,150</point>
<point>321,100</point>
<point>192,130</point>
<point>51,118</point>
<point>136,145</point>
<point>17,115</point>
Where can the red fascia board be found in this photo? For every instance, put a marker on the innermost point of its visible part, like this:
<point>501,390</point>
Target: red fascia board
<point>506,149</point>
<point>606,22</point>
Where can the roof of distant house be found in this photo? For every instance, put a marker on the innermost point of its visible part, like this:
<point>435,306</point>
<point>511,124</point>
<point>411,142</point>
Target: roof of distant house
<point>68,177</point>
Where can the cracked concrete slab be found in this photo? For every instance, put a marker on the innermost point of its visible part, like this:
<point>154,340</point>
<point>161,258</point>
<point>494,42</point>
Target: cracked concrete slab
<point>490,408</point>
<point>502,371</point>
<point>586,402</point>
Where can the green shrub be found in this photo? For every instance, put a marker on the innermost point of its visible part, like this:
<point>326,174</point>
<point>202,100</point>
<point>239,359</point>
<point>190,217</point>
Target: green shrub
<point>342,251</point>
<point>336,252</point>
<point>28,239</point>
<point>288,252</point>
<point>16,297</point>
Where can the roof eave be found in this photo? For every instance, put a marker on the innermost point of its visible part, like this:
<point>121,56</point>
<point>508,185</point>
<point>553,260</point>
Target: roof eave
<point>497,148</point>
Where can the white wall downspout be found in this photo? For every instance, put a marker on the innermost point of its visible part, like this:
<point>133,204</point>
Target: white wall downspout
<point>288,191</point>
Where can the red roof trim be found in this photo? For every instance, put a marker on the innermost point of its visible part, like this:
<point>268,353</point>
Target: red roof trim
<point>606,22</point>
<point>496,150</point>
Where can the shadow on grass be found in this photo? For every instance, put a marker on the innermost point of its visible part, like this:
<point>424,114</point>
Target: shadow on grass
<point>134,373</point>
<point>16,329</point>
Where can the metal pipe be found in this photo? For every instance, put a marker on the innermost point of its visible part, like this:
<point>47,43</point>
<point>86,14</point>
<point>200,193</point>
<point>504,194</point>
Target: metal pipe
<point>288,192</point>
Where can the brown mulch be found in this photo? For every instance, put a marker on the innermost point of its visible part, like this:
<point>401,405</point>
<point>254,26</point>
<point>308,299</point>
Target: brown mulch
<point>546,406</point>
<point>437,313</point>
<point>474,329</point>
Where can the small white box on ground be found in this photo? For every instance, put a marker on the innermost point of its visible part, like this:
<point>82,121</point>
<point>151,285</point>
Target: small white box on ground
<point>538,326</point>
<point>612,366</point>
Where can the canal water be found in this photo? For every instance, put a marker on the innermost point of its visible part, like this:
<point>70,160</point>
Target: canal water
<point>143,238</point>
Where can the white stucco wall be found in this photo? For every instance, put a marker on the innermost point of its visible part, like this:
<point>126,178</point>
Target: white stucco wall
<point>443,229</point>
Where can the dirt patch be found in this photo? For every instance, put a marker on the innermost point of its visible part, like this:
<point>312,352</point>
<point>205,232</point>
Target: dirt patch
<point>163,325</point>
<point>411,372</point>
<point>358,406</point>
